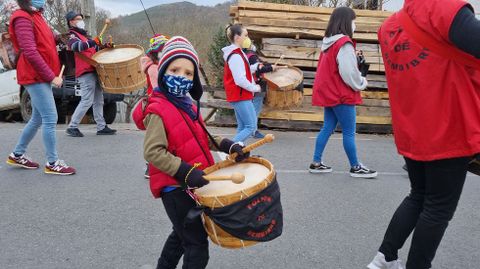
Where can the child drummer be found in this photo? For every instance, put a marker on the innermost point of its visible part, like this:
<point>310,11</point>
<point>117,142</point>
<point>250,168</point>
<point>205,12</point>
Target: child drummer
<point>177,147</point>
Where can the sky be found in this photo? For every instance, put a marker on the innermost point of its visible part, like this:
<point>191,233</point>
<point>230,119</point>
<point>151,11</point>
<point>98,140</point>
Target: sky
<point>123,7</point>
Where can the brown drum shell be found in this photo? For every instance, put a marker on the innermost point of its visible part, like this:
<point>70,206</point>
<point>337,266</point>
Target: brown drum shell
<point>217,234</point>
<point>121,77</point>
<point>285,96</point>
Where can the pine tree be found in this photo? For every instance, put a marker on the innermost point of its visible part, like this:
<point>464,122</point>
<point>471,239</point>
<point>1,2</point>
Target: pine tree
<point>215,56</point>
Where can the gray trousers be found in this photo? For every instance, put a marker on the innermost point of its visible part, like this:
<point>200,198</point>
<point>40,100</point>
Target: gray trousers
<point>91,94</point>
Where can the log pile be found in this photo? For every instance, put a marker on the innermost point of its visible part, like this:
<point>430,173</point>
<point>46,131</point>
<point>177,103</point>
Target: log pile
<point>297,32</point>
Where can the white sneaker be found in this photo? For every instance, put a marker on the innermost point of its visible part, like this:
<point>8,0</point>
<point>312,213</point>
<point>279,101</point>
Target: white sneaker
<point>379,262</point>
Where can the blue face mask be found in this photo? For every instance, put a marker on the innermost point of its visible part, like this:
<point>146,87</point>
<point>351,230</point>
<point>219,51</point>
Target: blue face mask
<point>177,85</point>
<point>38,4</point>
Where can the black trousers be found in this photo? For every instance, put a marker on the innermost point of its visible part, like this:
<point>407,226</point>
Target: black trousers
<point>189,240</point>
<point>436,187</point>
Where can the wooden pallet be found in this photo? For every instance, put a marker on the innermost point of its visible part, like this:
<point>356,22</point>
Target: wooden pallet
<point>281,20</point>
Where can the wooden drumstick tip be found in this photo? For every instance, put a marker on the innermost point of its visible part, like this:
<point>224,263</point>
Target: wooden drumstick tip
<point>238,178</point>
<point>107,21</point>
<point>269,138</point>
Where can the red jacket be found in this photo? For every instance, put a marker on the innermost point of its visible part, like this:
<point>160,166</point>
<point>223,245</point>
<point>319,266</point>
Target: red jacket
<point>235,93</point>
<point>46,46</point>
<point>186,140</point>
<point>435,101</point>
<point>329,89</point>
<point>82,67</point>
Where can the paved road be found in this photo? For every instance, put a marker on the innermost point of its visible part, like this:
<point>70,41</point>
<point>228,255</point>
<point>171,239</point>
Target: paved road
<point>105,217</point>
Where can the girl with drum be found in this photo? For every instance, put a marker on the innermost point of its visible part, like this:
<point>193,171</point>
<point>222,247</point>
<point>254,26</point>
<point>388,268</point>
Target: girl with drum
<point>38,68</point>
<point>177,148</point>
<point>239,83</point>
<point>337,87</point>
<point>263,67</point>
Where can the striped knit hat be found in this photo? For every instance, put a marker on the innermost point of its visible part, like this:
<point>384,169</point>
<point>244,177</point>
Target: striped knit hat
<point>156,45</point>
<point>180,47</point>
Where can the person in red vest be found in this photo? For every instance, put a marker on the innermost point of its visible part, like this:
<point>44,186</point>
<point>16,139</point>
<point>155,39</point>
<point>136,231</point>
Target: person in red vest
<point>90,89</point>
<point>177,148</point>
<point>263,67</point>
<point>38,68</point>
<point>239,83</point>
<point>336,88</point>
<point>149,64</point>
<point>432,63</point>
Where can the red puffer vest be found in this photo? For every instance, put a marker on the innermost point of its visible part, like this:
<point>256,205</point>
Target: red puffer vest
<point>186,140</point>
<point>434,100</point>
<point>46,46</point>
<point>81,67</point>
<point>329,89</point>
<point>233,91</point>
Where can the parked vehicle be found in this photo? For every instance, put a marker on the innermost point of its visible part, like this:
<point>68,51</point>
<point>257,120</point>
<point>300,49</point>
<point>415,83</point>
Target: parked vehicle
<point>15,99</point>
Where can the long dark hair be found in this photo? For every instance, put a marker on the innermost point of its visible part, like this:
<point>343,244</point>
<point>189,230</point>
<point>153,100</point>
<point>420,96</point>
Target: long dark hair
<point>25,5</point>
<point>341,22</point>
<point>233,30</point>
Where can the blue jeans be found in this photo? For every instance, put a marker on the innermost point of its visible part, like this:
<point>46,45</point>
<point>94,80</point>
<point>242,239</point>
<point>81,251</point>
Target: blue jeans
<point>44,113</point>
<point>345,114</point>
<point>258,103</point>
<point>246,120</point>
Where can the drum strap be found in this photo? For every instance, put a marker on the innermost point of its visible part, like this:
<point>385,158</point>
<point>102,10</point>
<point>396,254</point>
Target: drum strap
<point>89,61</point>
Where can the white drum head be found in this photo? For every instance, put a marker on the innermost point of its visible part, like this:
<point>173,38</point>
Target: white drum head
<point>117,55</point>
<point>254,174</point>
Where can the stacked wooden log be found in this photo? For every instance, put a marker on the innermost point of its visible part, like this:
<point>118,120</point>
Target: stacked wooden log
<point>297,32</point>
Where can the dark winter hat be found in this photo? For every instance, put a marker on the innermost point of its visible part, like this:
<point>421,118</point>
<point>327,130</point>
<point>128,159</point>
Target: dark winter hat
<point>71,15</point>
<point>180,47</point>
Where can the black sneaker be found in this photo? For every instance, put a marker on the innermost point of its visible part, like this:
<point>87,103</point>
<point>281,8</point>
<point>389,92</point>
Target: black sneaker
<point>74,132</point>
<point>316,168</point>
<point>362,171</point>
<point>106,131</point>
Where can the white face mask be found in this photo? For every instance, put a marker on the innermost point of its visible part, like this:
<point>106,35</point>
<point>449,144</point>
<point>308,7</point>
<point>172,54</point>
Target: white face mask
<point>354,26</point>
<point>81,24</point>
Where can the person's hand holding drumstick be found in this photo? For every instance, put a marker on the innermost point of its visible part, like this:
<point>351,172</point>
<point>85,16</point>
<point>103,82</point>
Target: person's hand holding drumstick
<point>58,81</point>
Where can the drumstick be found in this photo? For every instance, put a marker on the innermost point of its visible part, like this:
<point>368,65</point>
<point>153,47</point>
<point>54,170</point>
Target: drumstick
<point>107,22</point>
<point>279,60</point>
<point>61,71</point>
<point>236,178</point>
<point>267,139</point>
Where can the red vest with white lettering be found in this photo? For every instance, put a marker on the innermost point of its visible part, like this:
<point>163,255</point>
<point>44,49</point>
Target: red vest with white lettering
<point>329,89</point>
<point>81,67</point>
<point>435,101</point>
<point>186,140</point>
<point>234,92</point>
<point>45,43</point>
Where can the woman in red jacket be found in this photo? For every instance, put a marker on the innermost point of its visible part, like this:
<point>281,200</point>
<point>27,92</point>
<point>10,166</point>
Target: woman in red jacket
<point>337,87</point>
<point>432,65</point>
<point>37,69</point>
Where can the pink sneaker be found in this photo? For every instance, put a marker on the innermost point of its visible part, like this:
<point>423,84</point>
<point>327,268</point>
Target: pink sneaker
<point>59,168</point>
<point>22,161</point>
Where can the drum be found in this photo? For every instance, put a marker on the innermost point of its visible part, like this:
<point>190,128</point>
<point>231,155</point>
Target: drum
<point>119,68</point>
<point>259,174</point>
<point>284,88</point>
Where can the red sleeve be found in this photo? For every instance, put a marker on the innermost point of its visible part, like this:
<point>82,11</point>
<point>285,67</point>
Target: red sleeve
<point>23,28</point>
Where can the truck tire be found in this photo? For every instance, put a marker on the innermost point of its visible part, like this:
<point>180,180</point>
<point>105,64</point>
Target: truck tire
<point>25,106</point>
<point>26,109</point>
<point>110,112</point>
